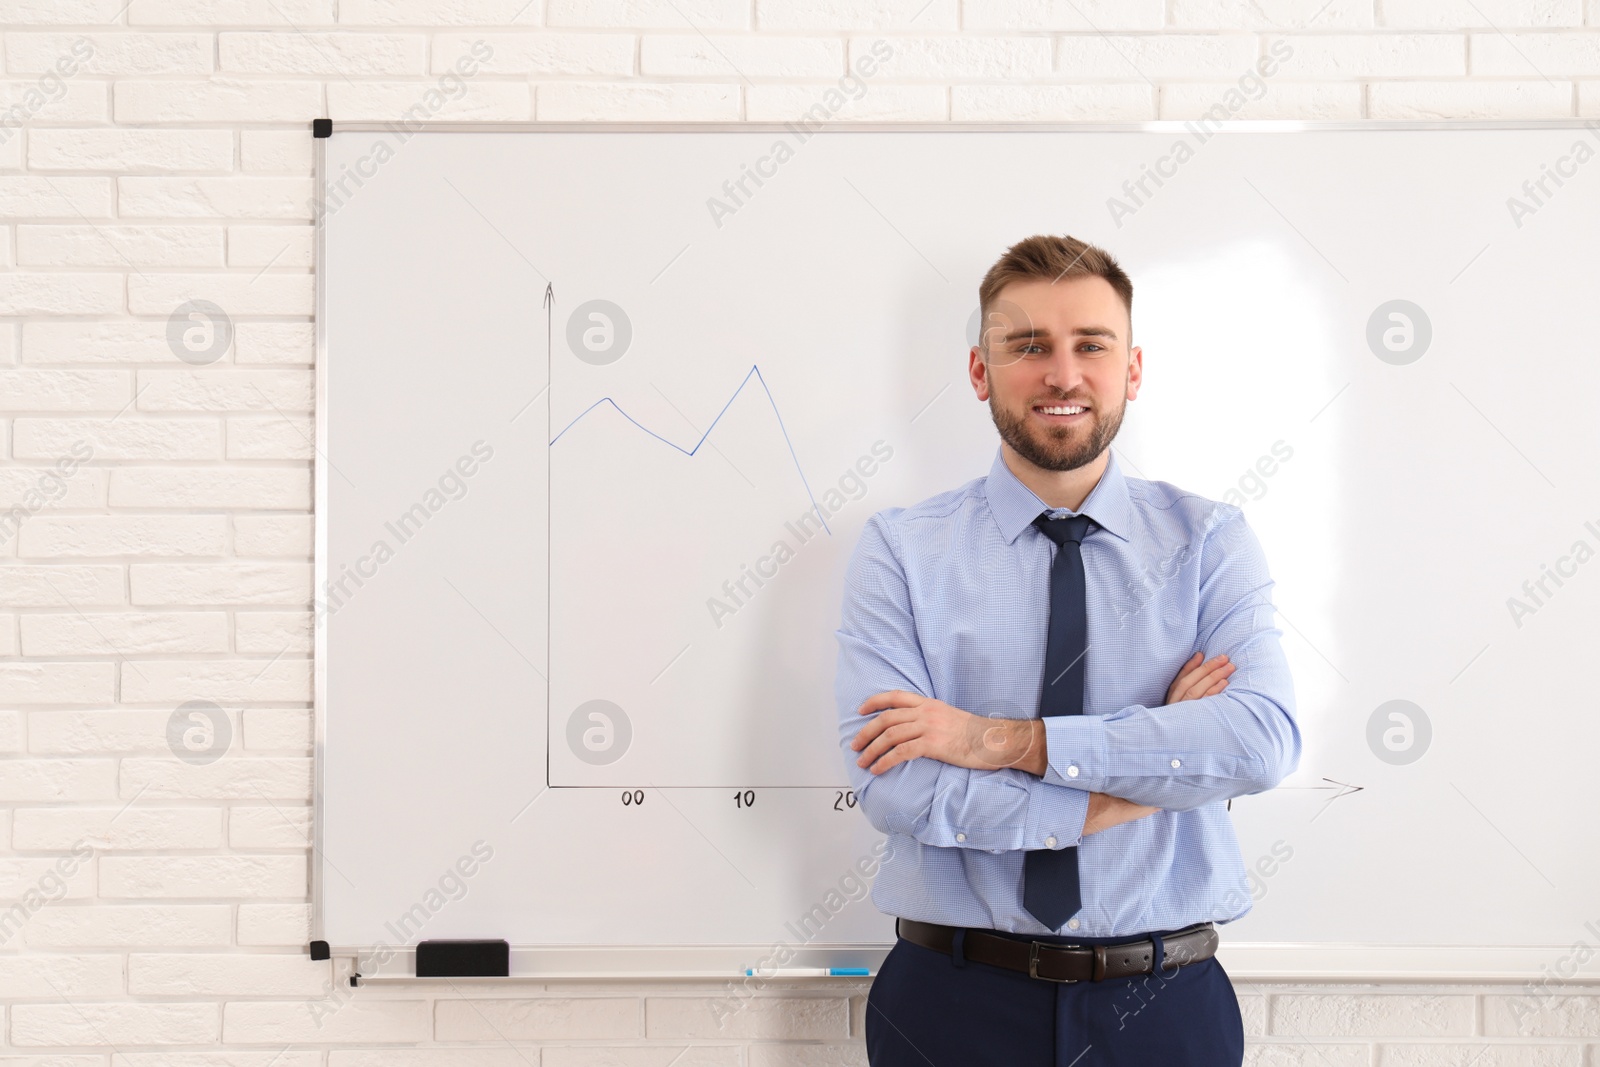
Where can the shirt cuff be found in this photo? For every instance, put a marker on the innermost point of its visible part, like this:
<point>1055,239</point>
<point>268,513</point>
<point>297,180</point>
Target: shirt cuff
<point>1075,751</point>
<point>1056,817</point>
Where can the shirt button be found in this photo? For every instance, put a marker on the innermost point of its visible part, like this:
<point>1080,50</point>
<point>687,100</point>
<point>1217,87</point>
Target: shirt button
<point>1072,771</point>
<point>1177,763</point>
<point>961,837</point>
<point>1050,842</point>
<point>1072,924</point>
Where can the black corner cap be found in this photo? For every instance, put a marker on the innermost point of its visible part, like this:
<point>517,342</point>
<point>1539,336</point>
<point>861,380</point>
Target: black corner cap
<point>320,951</point>
<point>463,959</point>
<point>322,127</point>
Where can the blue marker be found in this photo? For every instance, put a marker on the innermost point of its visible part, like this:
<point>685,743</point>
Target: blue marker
<point>813,972</point>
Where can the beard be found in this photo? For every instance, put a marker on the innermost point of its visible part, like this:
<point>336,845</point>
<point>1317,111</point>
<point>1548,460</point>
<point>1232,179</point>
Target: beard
<point>1056,449</point>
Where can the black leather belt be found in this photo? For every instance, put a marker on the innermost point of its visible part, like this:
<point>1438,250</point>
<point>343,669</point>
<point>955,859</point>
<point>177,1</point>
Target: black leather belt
<point>1065,963</point>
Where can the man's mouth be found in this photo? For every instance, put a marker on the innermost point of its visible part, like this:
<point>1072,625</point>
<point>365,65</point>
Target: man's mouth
<point>1062,413</point>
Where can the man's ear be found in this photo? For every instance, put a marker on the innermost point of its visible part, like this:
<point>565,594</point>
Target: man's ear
<point>978,373</point>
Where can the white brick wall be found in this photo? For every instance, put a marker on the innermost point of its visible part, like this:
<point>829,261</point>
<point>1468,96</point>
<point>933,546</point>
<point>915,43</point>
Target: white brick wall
<point>172,565</point>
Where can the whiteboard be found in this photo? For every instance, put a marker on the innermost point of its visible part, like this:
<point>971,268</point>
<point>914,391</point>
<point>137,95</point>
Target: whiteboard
<point>578,383</point>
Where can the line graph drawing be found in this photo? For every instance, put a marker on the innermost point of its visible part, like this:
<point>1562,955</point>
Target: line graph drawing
<point>754,372</point>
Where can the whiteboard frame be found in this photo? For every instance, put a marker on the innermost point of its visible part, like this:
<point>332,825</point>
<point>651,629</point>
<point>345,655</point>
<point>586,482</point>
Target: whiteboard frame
<point>1260,961</point>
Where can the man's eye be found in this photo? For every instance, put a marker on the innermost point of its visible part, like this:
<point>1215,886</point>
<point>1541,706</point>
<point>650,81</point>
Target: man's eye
<point>1031,350</point>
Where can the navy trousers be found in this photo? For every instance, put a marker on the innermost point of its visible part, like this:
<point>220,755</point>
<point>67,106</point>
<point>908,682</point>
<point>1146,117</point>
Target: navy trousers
<point>927,1009</point>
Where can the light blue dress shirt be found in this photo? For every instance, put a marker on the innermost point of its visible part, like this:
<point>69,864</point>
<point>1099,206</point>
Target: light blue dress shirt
<point>950,599</point>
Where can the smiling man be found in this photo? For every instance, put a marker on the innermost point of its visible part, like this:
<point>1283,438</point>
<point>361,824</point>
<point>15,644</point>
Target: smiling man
<point>1029,713</point>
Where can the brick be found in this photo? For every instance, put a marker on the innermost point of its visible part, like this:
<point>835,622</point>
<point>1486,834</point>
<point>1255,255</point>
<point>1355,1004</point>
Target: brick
<point>271,246</point>
<point>465,100</point>
<point>19,12</point>
<point>1105,103</point>
<point>1396,55</point>
<point>267,632</point>
<point>62,483</point>
<point>225,681</point>
<point>592,54</point>
<point>275,151</point>
<point>293,14</point>
<point>277,728</point>
<point>52,148</point>
<point>274,924</point>
<point>1078,16</point>
<point>277,488</point>
<point>124,633</point>
<point>122,54</point>
<point>98,342</point>
<point>793,1055</point>
<point>88,1023</point>
<point>1279,100</point>
<point>71,585</point>
<point>654,1055</point>
<point>64,779</point>
<point>678,101</point>
<point>953,57</point>
<point>117,828</point>
<point>56,683</point>
<point>66,976</point>
<point>82,101</point>
<point>90,536</point>
<point>203,876</point>
<point>741,55</point>
<point>130,925</point>
<point>471,1056</point>
<point>432,13</point>
<point>354,1020</point>
<point>1371,1015</point>
<point>1426,100</point>
<point>1459,14</point>
<point>274,342</point>
<point>275,438</point>
<point>345,53</point>
<point>1480,1054</point>
<point>536,1018</point>
<point>1541,1016</point>
<point>651,14</point>
<point>65,390</point>
<point>1271,14</point>
<point>1136,58</point>
<point>94,732</point>
<point>272,535</point>
<point>1535,55</point>
<point>774,103</point>
<point>123,247</point>
<point>193,974</point>
<point>230,1058</point>
<point>287,584</point>
<point>127,437</point>
<point>281,826</point>
<point>218,99</point>
<point>765,1018</point>
<point>233,777</point>
<point>60,294</point>
<point>224,390</point>
<point>232,197</point>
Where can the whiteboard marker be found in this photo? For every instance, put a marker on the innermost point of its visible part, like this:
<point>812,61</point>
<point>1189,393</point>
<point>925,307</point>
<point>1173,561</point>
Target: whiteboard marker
<point>812,972</point>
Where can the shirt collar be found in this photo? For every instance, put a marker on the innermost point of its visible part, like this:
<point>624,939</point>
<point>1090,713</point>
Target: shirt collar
<point>1015,506</point>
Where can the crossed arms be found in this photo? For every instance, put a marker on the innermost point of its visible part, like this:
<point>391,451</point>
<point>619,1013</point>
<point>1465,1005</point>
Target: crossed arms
<point>956,780</point>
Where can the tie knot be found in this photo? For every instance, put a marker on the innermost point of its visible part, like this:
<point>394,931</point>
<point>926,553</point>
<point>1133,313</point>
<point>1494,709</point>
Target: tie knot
<point>1072,528</point>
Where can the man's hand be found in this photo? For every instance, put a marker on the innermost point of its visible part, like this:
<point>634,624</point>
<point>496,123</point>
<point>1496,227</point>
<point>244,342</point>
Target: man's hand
<point>911,725</point>
<point>1194,680</point>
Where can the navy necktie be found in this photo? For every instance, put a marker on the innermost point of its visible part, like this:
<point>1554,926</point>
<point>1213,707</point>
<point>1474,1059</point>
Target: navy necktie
<point>1050,889</point>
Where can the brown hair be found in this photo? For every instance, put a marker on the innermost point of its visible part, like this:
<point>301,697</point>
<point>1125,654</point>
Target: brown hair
<point>1051,258</point>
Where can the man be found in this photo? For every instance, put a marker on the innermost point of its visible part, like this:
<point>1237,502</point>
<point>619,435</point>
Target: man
<point>1060,847</point>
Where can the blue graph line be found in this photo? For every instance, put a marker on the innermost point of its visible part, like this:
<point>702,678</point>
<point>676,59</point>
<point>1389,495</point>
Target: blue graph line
<point>755,371</point>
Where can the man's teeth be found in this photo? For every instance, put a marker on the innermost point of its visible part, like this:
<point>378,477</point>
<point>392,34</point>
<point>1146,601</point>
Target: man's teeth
<point>1062,410</point>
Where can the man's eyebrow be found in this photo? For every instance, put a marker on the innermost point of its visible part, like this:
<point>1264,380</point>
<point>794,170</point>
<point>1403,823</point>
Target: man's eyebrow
<point>1040,331</point>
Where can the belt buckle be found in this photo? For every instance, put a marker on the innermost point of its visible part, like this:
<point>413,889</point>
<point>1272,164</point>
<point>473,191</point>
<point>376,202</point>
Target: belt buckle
<point>1033,965</point>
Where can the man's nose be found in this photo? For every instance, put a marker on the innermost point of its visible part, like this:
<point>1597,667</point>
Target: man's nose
<point>1063,371</point>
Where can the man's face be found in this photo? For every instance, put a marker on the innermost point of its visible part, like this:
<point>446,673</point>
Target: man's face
<point>1047,345</point>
